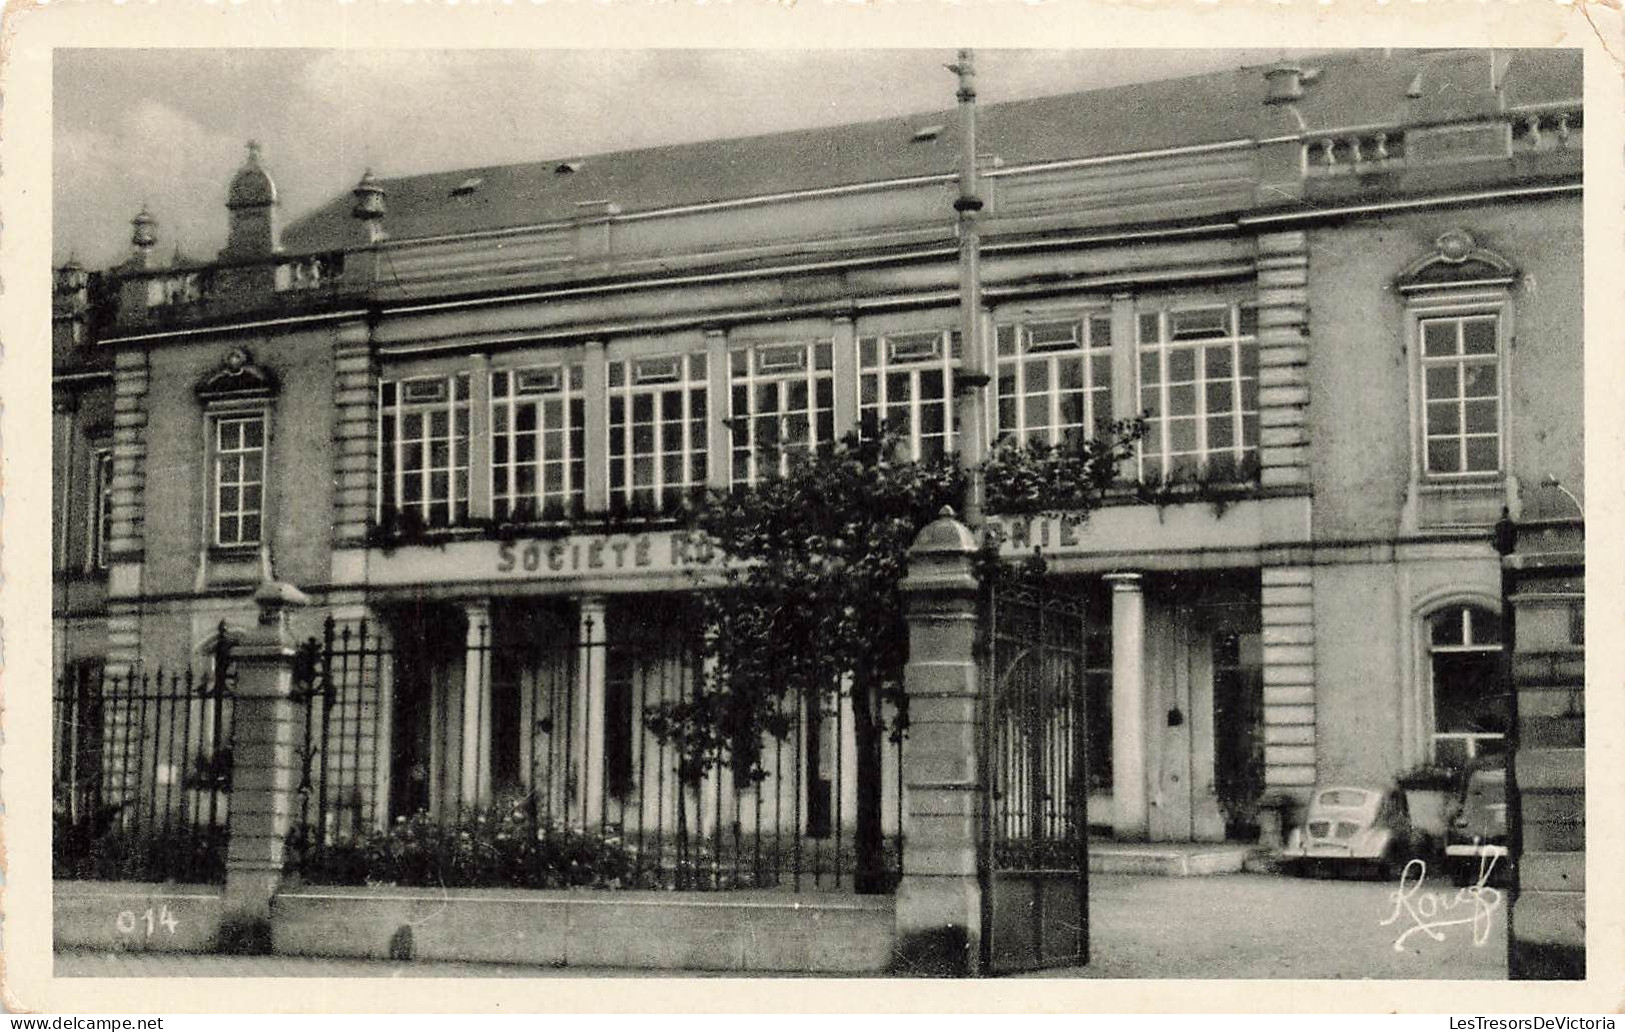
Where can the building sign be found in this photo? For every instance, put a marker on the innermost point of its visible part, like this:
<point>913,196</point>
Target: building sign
<point>592,553</point>
<point>639,556</point>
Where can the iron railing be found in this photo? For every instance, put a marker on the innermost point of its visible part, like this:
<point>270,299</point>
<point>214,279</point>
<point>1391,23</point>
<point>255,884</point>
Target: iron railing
<point>530,757</point>
<point>142,772</point>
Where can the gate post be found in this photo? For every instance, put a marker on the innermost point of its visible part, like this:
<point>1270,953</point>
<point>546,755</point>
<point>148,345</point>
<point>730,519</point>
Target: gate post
<point>939,901</point>
<point>263,770</point>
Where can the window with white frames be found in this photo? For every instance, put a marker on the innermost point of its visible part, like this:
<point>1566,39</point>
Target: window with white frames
<point>1055,378</point>
<point>783,407</point>
<point>1461,385</point>
<point>101,517</point>
<point>239,478</point>
<point>1470,706</point>
<point>657,431</point>
<point>423,449</point>
<point>1198,370</point>
<point>538,441</point>
<point>905,384</point>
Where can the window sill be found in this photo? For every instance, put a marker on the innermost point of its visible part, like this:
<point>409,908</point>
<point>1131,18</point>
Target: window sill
<point>1474,502</point>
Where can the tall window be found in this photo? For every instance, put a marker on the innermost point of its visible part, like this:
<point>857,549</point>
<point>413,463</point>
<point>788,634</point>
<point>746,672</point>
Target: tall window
<point>1199,391</point>
<point>538,464</point>
<point>423,449</point>
<point>1470,705</point>
<point>905,384</point>
<point>657,428</point>
<point>783,407</point>
<point>101,522</point>
<point>239,478</point>
<point>1055,379</point>
<point>1461,383</point>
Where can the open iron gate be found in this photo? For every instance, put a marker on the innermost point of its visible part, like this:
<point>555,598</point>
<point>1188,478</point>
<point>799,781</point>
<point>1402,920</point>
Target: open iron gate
<point>1034,863</point>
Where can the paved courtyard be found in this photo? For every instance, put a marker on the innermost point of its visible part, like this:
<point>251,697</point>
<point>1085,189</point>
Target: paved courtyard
<point>1275,926</point>
<point>1220,926</point>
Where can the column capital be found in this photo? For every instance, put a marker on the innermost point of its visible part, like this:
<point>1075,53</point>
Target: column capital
<point>596,343</point>
<point>592,603</point>
<point>843,317</point>
<point>714,332</point>
<point>1125,580</point>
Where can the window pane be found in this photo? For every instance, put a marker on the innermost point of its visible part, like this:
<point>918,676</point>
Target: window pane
<point>1482,417</point>
<point>1037,376</point>
<point>1483,454</point>
<point>1444,457</point>
<point>1220,397</point>
<point>1444,417</point>
<point>1478,336</point>
<point>1181,365</point>
<point>1069,374</point>
<point>1443,382</point>
<point>253,433</point>
<point>1439,338</point>
<point>1150,370</point>
<point>1181,435</point>
<point>1221,433</point>
<point>1182,400</point>
<point>1479,381</point>
<point>1149,331</point>
<point>1218,363</point>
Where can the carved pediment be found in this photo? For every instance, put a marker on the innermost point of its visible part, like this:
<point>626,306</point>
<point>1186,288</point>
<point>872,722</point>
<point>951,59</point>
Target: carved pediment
<point>237,377</point>
<point>1457,258</point>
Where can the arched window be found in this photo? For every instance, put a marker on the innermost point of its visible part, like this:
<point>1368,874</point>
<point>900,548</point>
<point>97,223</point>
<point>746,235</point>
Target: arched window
<point>1469,701</point>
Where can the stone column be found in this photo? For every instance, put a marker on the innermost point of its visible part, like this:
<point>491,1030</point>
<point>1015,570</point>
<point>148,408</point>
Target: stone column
<point>939,902</point>
<point>844,363</point>
<point>264,770</point>
<point>1132,817</point>
<point>589,722</point>
<point>475,780</point>
<point>595,394</point>
<point>718,437</point>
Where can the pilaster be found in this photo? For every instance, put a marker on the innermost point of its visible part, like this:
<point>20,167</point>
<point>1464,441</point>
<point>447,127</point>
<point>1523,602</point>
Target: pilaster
<point>355,435</point>
<point>1283,360</point>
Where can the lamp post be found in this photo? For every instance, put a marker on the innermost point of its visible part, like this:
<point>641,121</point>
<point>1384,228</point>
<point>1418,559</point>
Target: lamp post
<point>971,380</point>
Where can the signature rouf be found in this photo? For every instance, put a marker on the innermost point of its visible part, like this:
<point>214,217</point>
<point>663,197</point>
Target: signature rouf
<point>1431,911</point>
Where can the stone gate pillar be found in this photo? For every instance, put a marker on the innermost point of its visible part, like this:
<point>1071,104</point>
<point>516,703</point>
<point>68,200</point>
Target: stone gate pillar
<point>939,902</point>
<point>264,767</point>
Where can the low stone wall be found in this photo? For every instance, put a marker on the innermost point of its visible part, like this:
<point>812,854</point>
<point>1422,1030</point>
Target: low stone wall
<point>657,931</point>
<point>745,931</point>
<point>137,916</point>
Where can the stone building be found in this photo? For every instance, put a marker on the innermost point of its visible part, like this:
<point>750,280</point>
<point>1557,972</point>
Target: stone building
<point>1346,295</point>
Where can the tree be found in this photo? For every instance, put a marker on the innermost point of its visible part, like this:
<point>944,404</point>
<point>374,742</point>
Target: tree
<point>810,596</point>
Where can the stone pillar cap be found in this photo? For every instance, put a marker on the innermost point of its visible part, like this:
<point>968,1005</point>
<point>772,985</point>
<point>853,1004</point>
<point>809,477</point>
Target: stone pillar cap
<point>273,597</point>
<point>945,534</point>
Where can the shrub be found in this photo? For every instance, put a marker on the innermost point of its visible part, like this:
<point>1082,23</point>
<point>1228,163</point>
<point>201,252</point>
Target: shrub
<point>482,849</point>
<point>100,848</point>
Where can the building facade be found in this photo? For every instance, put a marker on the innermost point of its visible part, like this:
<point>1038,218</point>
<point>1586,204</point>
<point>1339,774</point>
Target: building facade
<point>465,406</point>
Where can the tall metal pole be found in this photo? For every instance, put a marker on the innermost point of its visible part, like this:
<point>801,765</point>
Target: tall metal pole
<point>970,385</point>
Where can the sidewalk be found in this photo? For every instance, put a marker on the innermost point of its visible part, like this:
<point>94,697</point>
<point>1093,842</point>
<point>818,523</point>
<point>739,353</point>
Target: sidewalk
<point>95,964</point>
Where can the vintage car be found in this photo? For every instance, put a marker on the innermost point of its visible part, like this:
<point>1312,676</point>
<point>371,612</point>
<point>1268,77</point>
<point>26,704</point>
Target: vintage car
<point>1475,839</point>
<point>1350,828</point>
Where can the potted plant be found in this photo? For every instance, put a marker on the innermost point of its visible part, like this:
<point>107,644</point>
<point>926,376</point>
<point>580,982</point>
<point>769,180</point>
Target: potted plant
<point>1428,787</point>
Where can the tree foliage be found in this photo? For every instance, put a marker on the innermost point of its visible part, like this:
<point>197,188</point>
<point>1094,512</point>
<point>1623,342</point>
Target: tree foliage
<point>809,607</point>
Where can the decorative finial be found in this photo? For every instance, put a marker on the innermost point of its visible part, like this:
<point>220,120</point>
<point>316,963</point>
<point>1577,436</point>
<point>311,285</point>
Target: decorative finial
<point>253,152</point>
<point>144,235</point>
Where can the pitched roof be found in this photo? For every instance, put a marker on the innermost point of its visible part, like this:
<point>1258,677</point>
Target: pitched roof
<point>1354,88</point>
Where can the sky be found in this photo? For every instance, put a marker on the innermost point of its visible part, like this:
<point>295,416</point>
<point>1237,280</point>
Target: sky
<point>167,128</point>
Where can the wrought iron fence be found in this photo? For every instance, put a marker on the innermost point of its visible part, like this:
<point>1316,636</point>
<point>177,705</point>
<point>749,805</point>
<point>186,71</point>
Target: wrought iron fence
<point>533,754</point>
<point>142,772</point>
